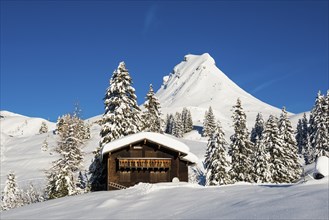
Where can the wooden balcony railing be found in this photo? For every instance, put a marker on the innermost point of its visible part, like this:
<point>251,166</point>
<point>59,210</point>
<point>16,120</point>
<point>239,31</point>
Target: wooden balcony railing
<point>144,163</point>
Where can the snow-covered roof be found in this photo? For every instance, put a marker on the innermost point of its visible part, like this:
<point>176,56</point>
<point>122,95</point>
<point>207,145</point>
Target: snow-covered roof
<point>163,140</point>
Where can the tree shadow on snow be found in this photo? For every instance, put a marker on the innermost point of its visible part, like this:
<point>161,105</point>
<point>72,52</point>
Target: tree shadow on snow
<point>277,185</point>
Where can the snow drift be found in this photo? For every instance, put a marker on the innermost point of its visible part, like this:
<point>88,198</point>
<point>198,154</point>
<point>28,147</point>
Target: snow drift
<point>321,167</point>
<point>187,201</point>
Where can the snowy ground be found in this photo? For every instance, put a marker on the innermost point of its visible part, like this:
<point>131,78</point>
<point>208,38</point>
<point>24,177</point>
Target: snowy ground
<point>188,201</point>
<point>21,152</point>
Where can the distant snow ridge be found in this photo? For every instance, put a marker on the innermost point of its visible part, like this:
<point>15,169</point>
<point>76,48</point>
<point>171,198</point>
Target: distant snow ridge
<point>13,124</point>
<point>197,83</point>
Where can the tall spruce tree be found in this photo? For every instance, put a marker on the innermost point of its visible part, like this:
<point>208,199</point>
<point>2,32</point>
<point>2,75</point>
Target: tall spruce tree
<point>319,127</point>
<point>61,176</point>
<point>303,140</point>
<point>272,143</point>
<point>11,196</point>
<point>257,130</point>
<point>261,162</point>
<point>121,118</point>
<point>241,148</point>
<point>187,120</point>
<point>216,164</point>
<point>169,123</point>
<point>177,130</point>
<point>152,115</point>
<point>209,124</point>
<point>290,146</point>
<point>71,140</point>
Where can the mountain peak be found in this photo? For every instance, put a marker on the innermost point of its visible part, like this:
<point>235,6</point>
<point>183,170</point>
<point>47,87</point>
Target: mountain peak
<point>198,83</point>
<point>203,58</point>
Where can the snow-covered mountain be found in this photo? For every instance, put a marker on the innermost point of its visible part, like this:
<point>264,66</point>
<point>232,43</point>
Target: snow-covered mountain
<point>197,83</point>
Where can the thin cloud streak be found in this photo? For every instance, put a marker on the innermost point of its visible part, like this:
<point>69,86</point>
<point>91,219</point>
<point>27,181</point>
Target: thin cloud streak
<point>269,83</point>
<point>149,18</point>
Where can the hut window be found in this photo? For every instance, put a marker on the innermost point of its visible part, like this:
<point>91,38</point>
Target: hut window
<point>125,176</point>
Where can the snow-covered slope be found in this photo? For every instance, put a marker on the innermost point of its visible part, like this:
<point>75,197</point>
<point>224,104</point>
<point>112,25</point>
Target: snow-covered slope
<point>197,83</point>
<point>13,124</point>
<point>21,148</point>
<point>188,201</point>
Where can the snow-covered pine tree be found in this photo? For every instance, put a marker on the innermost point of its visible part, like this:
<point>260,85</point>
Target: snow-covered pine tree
<point>184,116</point>
<point>319,127</point>
<point>43,128</point>
<point>257,130</point>
<point>262,161</point>
<point>59,123</point>
<point>209,124</point>
<point>290,148</point>
<point>177,130</point>
<point>121,118</point>
<point>32,195</point>
<point>70,144</point>
<point>273,140</point>
<point>61,177</point>
<point>241,148</point>
<point>187,120</point>
<point>61,180</point>
<point>169,123</point>
<point>122,114</point>
<point>83,182</point>
<point>44,146</point>
<point>299,137</point>
<point>11,196</point>
<point>303,140</point>
<point>152,121</point>
<point>83,129</point>
<point>216,164</point>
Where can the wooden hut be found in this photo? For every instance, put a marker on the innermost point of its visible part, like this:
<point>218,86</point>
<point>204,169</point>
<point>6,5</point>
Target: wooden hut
<point>146,157</point>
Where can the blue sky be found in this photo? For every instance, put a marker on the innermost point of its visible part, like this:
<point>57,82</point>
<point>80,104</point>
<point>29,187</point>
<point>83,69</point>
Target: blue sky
<point>56,53</point>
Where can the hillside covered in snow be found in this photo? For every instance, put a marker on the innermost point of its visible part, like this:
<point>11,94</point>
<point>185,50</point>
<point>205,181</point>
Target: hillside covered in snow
<point>196,83</point>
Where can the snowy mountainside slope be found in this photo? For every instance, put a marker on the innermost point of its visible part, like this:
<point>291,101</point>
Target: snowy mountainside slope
<point>21,148</point>
<point>197,83</point>
<point>13,124</point>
